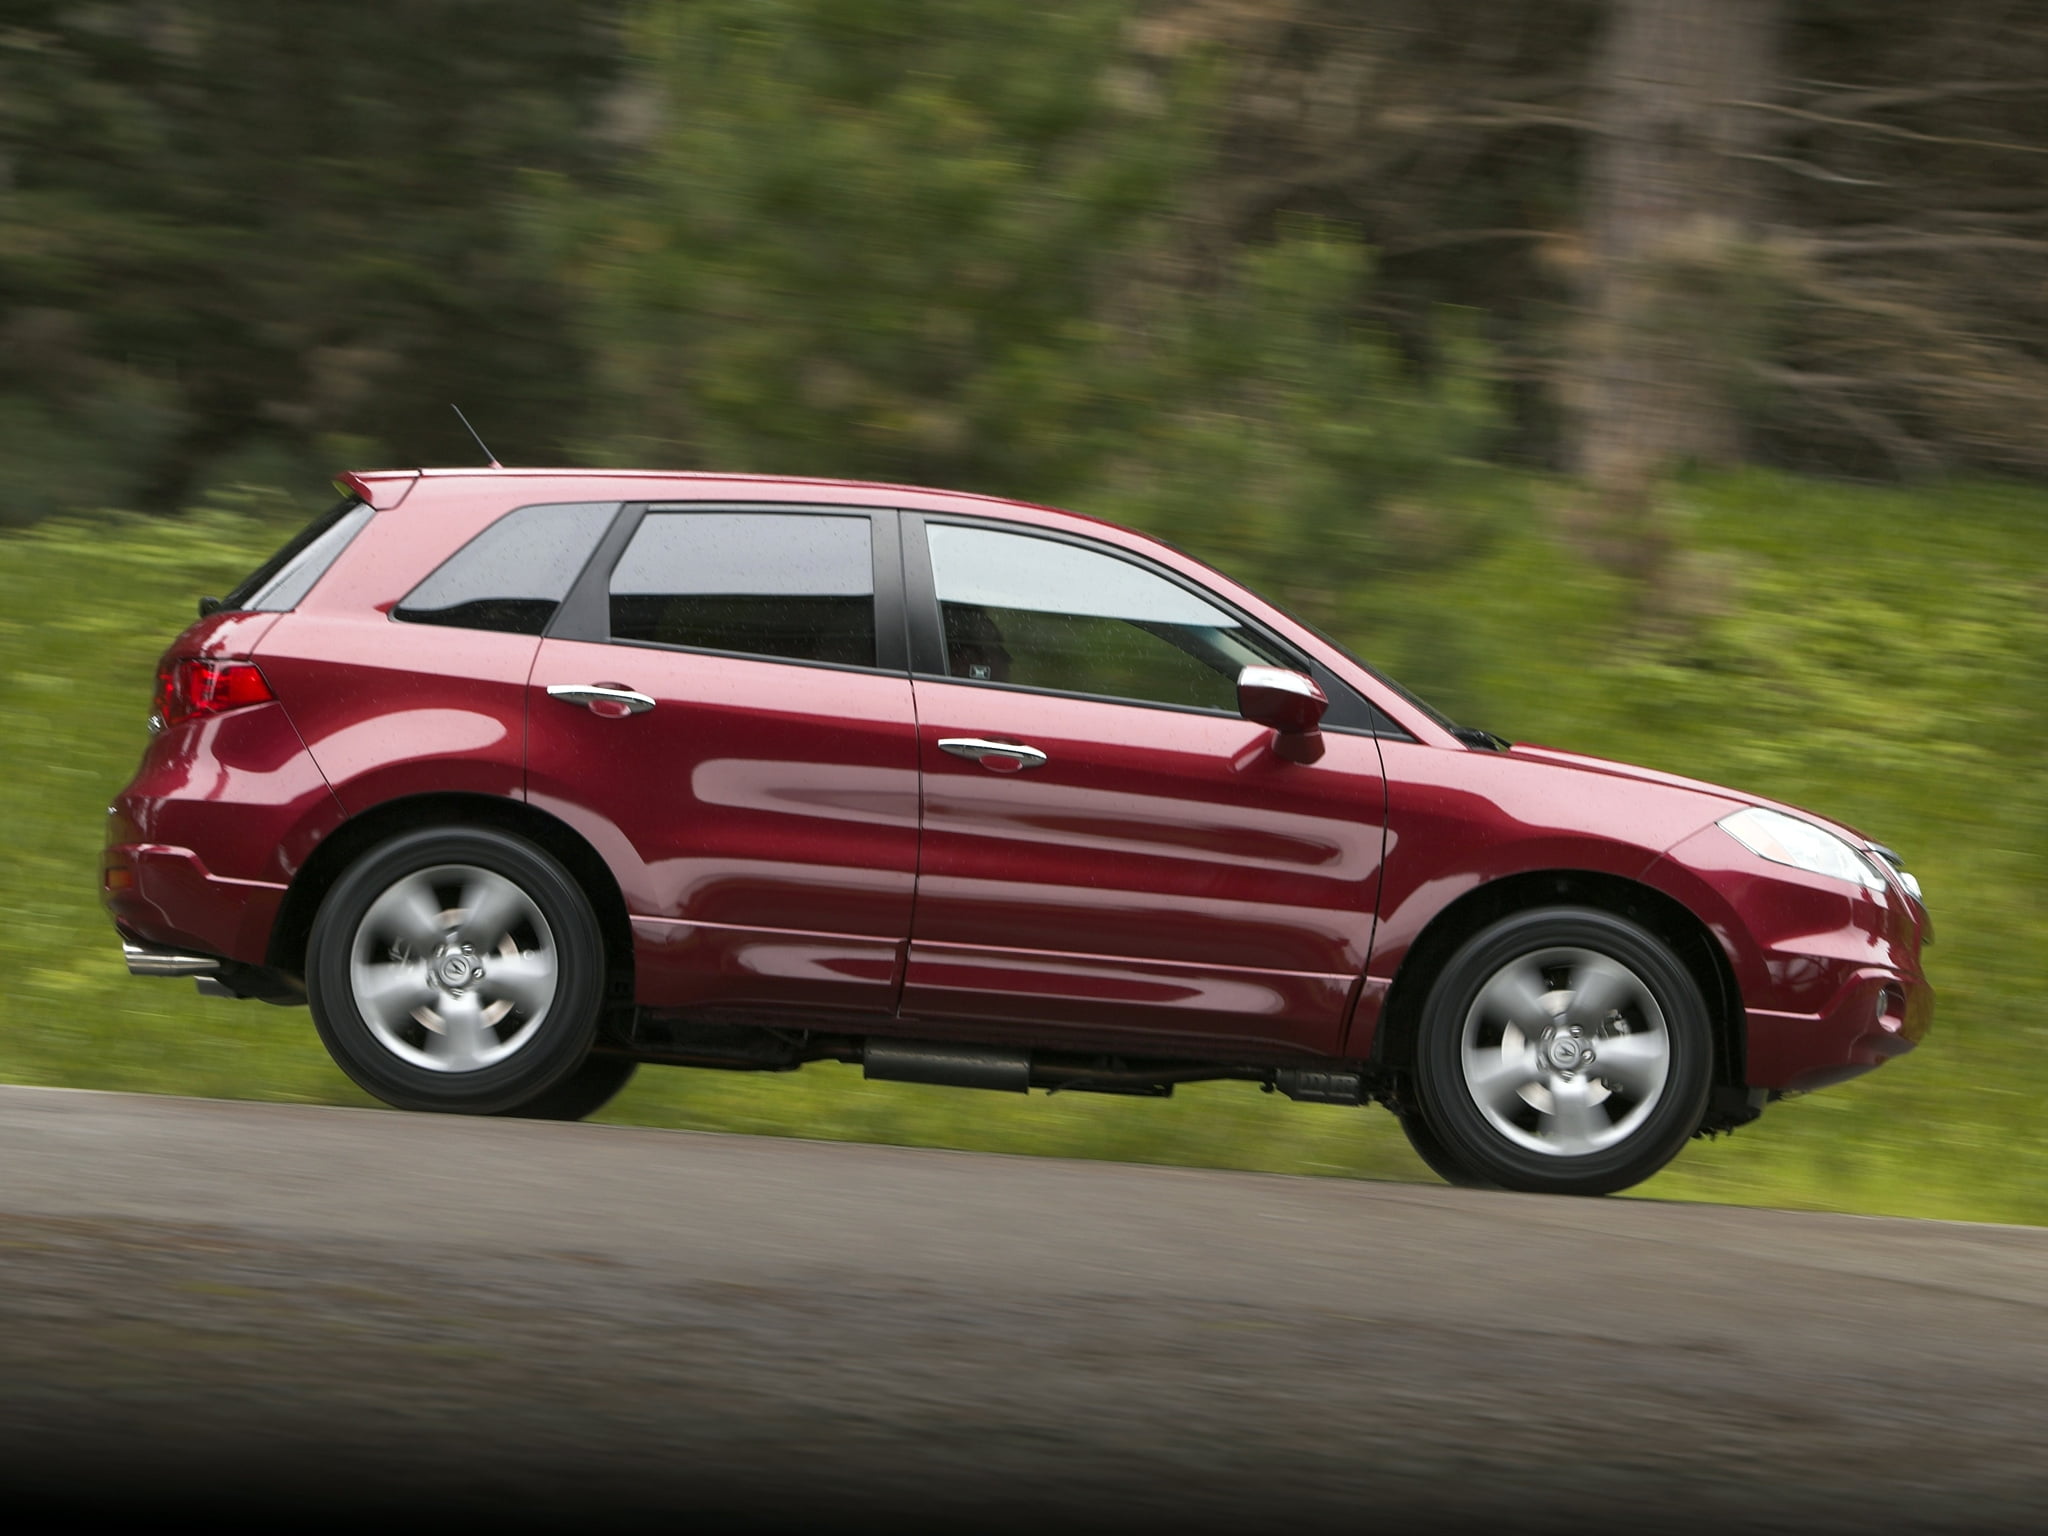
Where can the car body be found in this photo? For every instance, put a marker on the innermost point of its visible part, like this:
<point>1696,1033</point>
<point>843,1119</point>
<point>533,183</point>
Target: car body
<point>968,791</point>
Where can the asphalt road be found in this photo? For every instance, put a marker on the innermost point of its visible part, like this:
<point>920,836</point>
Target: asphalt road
<point>283,1313</point>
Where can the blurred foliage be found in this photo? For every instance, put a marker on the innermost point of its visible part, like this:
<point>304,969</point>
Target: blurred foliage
<point>970,243</point>
<point>931,241</point>
<point>1879,656</point>
<point>869,237</point>
<point>235,231</point>
<point>1289,441</point>
<point>1881,308</point>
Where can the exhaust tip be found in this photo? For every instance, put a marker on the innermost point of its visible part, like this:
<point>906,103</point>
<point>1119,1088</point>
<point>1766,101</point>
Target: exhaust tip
<point>144,961</point>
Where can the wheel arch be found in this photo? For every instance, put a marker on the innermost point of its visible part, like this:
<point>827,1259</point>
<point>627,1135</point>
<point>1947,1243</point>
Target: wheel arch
<point>1393,1046</point>
<point>356,836</point>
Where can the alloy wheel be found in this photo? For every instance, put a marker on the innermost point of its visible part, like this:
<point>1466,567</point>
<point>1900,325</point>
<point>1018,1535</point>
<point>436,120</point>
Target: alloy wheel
<point>1565,1051</point>
<point>453,968</point>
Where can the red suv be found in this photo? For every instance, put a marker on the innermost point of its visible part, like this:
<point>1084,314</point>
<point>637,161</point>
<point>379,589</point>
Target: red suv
<point>521,778</point>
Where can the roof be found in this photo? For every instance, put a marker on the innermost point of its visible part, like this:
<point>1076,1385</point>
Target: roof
<point>362,482</point>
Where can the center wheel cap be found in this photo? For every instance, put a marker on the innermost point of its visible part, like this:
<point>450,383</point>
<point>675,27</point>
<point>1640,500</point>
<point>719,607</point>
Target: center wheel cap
<point>457,971</point>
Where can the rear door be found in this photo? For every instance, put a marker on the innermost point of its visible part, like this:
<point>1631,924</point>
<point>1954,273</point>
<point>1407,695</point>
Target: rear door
<point>1144,864</point>
<point>723,709</point>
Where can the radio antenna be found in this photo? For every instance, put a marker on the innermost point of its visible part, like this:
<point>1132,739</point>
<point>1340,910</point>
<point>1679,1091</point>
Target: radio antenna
<point>489,457</point>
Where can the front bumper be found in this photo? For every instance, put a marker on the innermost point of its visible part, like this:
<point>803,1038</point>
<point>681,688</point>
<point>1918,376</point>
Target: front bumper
<point>1878,1014</point>
<point>1829,972</point>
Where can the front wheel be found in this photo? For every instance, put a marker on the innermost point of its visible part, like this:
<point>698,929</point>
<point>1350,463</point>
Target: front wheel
<point>1435,1156</point>
<point>457,970</point>
<point>1563,1050</point>
<point>582,1093</point>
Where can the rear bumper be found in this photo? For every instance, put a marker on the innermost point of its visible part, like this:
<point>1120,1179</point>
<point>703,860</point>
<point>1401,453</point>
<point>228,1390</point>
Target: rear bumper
<point>170,907</point>
<point>205,840</point>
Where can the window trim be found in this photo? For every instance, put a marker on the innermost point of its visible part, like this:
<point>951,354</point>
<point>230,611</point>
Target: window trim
<point>585,614</point>
<point>928,646</point>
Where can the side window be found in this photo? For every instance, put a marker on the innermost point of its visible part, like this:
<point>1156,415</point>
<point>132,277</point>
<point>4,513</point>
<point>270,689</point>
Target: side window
<point>513,575</point>
<point>280,583</point>
<point>787,584</point>
<point>1045,614</point>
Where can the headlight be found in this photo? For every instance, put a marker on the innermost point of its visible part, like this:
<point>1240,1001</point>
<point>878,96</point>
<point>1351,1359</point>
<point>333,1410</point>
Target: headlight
<point>1787,840</point>
<point>1899,868</point>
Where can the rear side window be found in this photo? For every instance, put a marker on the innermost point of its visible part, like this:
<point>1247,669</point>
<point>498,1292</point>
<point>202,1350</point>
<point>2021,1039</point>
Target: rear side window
<point>511,577</point>
<point>282,582</point>
<point>798,586</point>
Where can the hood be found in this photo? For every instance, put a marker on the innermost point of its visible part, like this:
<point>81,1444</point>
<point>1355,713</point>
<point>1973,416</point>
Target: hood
<point>1734,797</point>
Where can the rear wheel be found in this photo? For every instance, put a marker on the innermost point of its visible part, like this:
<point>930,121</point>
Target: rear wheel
<point>457,970</point>
<point>1564,1050</point>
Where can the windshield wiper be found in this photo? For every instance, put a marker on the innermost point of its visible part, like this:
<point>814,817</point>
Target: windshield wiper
<point>1472,736</point>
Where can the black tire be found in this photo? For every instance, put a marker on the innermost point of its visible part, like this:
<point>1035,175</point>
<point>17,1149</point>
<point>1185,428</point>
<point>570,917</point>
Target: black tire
<point>1563,1050</point>
<point>1433,1154</point>
<point>481,970</point>
<point>582,1093</point>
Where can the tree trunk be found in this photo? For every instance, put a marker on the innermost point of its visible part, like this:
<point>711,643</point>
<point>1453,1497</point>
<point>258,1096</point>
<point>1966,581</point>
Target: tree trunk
<point>1671,210</point>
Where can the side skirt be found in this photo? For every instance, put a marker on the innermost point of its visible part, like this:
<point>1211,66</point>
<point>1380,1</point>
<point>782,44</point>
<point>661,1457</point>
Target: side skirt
<point>753,1045</point>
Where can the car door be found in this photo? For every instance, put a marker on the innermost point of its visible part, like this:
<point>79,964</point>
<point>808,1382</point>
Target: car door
<point>1144,864</point>
<point>719,711</point>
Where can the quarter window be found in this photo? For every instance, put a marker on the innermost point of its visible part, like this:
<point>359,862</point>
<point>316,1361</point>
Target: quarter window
<point>799,586</point>
<point>281,582</point>
<point>512,576</point>
<point>1040,613</point>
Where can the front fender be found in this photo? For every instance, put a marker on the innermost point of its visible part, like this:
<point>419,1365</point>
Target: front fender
<point>1458,820</point>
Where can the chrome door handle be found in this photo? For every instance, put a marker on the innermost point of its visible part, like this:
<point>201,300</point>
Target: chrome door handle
<point>624,700</point>
<point>1008,756</point>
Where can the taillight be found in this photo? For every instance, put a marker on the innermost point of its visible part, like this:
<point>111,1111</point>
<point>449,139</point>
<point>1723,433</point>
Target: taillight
<point>194,687</point>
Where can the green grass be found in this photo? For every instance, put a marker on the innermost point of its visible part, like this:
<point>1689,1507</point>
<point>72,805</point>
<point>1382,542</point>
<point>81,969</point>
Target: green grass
<point>1880,656</point>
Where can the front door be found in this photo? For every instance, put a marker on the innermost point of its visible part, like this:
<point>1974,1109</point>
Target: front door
<point>722,718</point>
<point>1144,862</point>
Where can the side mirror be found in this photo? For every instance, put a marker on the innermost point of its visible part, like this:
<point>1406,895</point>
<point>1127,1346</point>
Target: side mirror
<point>1291,703</point>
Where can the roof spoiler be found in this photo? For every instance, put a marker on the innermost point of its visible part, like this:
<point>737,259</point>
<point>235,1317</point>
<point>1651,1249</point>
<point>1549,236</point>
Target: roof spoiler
<point>382,489</point>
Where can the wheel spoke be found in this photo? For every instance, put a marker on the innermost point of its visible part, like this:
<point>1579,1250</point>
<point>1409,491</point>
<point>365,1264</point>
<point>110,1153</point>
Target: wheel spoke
<point>1516,995</point>
<point>409,910</point>
<point>1599,987</point>
<point>1636,1062</point>
<point>491,904</point>
<point>527,981</point>
<point>465,1042</point>
<point>1574,1123</point>
<point>389,993</point>
<point>1496,1078</point>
